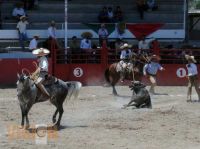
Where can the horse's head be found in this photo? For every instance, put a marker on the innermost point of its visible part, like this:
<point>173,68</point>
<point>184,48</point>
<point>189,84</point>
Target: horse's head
<point>23,84</point>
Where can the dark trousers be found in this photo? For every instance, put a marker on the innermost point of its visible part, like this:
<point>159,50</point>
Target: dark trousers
<point>141,9</point>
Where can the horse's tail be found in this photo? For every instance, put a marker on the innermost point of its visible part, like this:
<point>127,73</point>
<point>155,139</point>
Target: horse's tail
<point>73,89</point>
<point>106,74</point>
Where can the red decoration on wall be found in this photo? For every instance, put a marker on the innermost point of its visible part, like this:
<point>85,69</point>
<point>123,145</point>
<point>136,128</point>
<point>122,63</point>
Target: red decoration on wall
<point>143,29</point>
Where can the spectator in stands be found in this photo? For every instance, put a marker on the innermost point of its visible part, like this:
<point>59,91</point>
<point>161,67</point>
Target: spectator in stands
<point>141,7</point>
<point>144,45</point>
<point>52,30</point>
<point>75,46</point>
<point>118,14</point>
<point>18,11</point>
<point>86,45</point>
<point>103,34</point>
<point>110,15</point>
<point>52,33</point>
<point>21,27</point>
<point>103,15</point>
<point>152,5</point>
<point>33,43</point>
<point>118,44</point>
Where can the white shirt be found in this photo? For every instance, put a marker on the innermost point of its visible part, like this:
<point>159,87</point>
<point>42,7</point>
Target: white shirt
<point>145,44</point>
<point>192,69</point>
<point>33,44</point>
<point>43,63</point>
<point>18,11</point>
<point>22,26</point>
<point>85,45</point>
<point>125,54</point>
<point>52,32</point>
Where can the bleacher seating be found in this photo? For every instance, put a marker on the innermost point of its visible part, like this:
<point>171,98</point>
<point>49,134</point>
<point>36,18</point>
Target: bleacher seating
<point>170,12</point>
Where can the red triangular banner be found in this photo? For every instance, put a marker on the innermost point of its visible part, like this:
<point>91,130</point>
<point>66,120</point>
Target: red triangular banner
<point>143,29</point>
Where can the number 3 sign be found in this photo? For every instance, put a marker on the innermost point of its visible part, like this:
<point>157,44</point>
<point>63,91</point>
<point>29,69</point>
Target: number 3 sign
<point>181,72</point>
<point>78,72</point>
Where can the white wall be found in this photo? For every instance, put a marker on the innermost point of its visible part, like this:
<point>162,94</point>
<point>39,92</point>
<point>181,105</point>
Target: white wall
<point>163,34</point>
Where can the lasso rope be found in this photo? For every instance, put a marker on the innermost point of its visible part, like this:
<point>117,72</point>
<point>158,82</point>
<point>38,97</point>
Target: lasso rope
<point>25,70</point>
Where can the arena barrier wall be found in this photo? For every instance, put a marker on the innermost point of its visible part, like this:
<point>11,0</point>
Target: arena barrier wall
<point>10,68</point>
<point>88,74</point>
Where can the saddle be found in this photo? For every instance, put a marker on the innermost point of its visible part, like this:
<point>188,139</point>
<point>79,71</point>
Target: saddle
<point>49,80</point>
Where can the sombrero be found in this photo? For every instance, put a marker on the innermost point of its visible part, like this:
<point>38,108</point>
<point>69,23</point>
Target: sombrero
<point>126,45</point>
<point>22,17</point>
<point>155,58</point>
<point>36,36</point>
<point>41,52</point>
<point>190,58</point>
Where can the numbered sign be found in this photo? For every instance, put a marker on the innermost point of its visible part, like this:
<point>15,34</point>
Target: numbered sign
<point>181,72</point>
<point>78,72</point>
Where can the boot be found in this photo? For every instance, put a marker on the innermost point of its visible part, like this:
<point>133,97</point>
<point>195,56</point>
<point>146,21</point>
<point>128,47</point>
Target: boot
<point>43,90</point>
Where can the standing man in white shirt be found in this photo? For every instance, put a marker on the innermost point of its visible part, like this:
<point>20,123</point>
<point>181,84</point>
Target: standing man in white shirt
<point>103,34</point>
<point>33,43</point>
<point>144,45</point>
<point>21,27</point>
<point>192,77</point>
<point>52,30</point>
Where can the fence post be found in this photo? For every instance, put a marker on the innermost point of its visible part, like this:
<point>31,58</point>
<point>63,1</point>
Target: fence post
<point>104,55</point>
<point>53,55</point>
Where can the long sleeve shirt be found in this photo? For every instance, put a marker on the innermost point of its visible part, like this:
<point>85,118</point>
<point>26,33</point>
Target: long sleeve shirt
<point>192,69</point>
<point>43,63</point>
<point>52,32</point>
<point>85,44</point>
<point>125,54</point>
<point>152,68</point>
<point>33,44</point>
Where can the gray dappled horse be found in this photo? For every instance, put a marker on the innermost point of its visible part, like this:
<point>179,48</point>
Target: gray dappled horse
<point>28,94</point>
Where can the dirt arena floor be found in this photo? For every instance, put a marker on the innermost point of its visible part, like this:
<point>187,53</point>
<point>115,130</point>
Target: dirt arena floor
<point>96,121</point>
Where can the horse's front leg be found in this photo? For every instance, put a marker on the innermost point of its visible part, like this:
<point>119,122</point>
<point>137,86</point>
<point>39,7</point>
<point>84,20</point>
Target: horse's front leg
<point>114,90</point>
<point>54,116</point>
<point>27,121</point>
<point>23,115</point>
<point>60,110</point>
<point>26,115</point>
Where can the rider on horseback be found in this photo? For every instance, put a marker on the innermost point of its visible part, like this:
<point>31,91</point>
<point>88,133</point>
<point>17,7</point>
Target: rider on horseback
<point>42,69</point>
<point>125,60</point>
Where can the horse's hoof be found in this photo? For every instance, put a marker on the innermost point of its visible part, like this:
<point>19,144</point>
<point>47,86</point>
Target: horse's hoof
<point>27,126</point>
<point>189,100</point>
<point>56,127</point>
<point>115,94</point>
<point>21,127</point>
<point>124,107</point>
<point>53,120</point>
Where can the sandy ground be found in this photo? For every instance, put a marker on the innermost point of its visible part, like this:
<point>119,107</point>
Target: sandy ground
<point>96,121</point>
